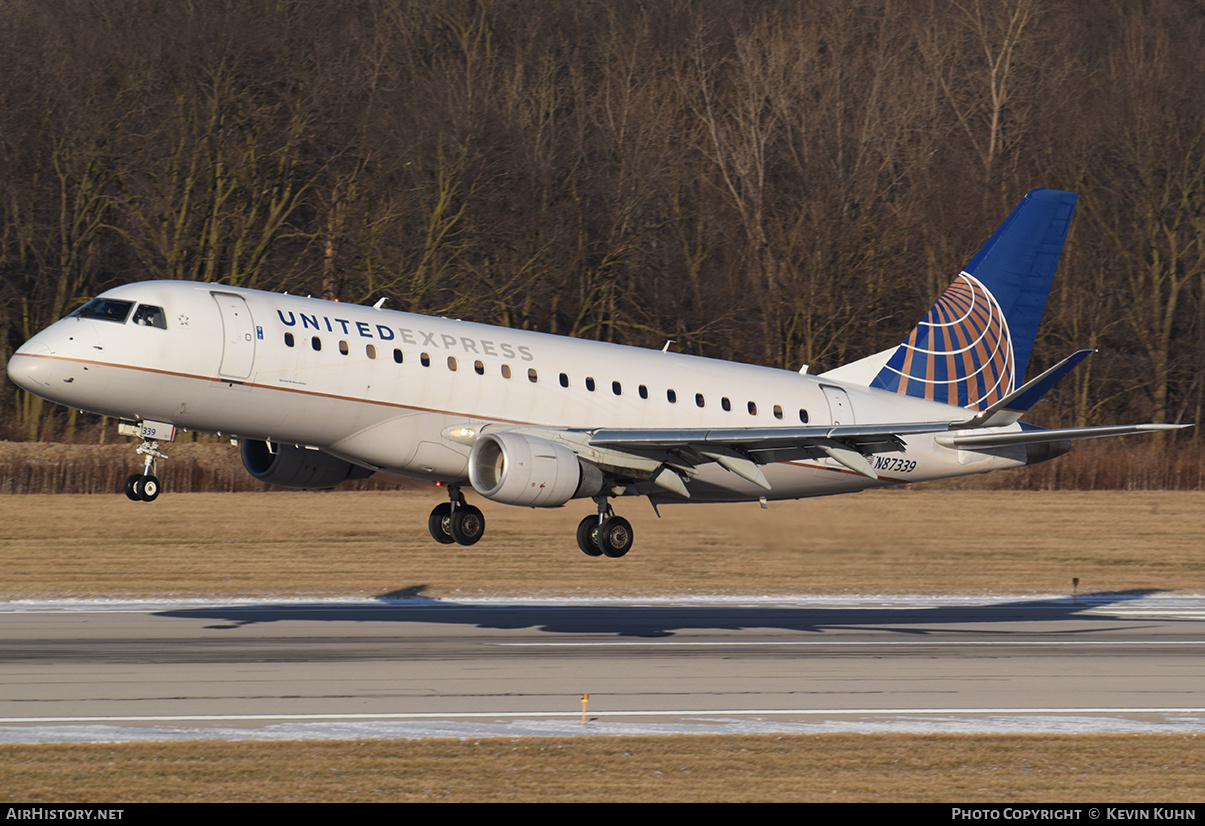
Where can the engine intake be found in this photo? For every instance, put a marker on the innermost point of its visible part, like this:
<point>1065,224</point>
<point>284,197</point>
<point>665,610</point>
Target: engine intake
<point>516,469</point>
<point>290,466</point>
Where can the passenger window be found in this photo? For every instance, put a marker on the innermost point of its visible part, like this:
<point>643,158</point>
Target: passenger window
<point>424,359</point>
<point>479,367</point>
<point>150,316</point>
<point>370,351</point>
<point>727,405</point>
<point>452,363</point>
<point>752,409</point>
<point>506,371</point>
<point>778,411</point>
<point>644,392</point>
<point>316,343</point>
<point>288,339</point>
<point>397,355</point>
<point>564,380</point>
<point>531,375</point>
<point>343,348</point>
<point>699,400</point>
<point>803,415</point>
<point>590,384</point>
<point>616,389</point>
<point>671,396</point>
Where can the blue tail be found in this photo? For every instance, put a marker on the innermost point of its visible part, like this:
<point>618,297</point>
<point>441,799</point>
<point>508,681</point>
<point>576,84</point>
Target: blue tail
<point>973,346</point>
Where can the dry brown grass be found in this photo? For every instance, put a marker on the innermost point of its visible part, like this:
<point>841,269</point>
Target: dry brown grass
<point>373,543</point>
<point>831,768</point>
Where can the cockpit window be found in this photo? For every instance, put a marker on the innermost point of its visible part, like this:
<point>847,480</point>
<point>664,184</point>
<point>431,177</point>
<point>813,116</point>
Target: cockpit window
<point>149,315</point>
<point>106,309</point>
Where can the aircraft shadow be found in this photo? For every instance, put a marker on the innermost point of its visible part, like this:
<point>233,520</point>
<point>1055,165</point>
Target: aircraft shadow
<point>652,621</point>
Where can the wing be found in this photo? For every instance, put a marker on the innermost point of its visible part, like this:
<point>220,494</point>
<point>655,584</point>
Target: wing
<point>667,457</point>
<point>742,450</point>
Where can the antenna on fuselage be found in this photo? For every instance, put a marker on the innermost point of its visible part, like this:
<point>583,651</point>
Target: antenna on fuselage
<point>668,342</point>
<point>380,302</point>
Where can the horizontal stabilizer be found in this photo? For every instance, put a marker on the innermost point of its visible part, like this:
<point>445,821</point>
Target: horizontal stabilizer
<point>1039,436</point>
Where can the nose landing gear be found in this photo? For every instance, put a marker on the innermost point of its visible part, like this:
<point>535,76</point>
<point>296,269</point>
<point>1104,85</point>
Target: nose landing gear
<point>142,488</point>
<point>145,487</point>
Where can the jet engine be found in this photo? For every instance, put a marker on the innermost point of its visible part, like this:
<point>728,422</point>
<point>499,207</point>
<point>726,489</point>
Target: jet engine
<point>516,469</point>
<point>289,466</point>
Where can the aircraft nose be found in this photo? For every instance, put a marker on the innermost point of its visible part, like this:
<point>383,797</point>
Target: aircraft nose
<point>26,369</point>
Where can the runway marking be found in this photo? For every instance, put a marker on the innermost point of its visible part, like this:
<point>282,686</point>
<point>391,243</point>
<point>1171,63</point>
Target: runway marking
<point>852,644</point>
<point>477,715</point>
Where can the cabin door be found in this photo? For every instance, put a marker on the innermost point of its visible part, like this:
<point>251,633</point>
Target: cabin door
<point>839,408</point>
<point>238,337</point>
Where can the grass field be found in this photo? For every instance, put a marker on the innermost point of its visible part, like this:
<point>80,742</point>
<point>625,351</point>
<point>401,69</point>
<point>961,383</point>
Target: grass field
<point>376,543</point>
<point>817,768</point>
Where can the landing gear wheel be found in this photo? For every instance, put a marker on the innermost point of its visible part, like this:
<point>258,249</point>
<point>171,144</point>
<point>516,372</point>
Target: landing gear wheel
<point>615,536</point>
<point>147,489</point>
<point>144,487</point>
<point>587,536</point>
<point>467,524</point>
<point>439,523</point>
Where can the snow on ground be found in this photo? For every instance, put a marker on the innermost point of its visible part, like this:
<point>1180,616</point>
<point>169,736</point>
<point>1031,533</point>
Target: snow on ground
<point>469,730</point>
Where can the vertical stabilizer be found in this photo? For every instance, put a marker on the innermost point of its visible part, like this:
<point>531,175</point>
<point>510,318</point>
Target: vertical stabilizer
<point>973,346</point>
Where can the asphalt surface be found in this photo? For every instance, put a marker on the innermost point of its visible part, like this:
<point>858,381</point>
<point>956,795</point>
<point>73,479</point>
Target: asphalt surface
<point>72,671</point>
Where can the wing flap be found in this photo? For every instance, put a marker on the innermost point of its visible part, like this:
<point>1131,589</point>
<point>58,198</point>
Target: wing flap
<point>741,450</point>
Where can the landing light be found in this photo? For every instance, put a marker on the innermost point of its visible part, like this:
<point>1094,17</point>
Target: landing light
<point>462,433</point>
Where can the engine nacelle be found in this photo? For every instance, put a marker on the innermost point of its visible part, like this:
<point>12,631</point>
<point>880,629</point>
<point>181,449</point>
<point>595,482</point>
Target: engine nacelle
<point>289,466</point>
<point>526,470</point>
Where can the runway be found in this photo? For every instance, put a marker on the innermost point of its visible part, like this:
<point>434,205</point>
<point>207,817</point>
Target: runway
<point>106,670</point>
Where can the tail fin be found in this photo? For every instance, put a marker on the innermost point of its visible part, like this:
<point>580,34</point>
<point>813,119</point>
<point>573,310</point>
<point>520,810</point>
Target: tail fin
<point>973,346</point>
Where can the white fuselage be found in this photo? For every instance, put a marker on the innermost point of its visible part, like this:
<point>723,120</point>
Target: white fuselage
<point>380,388</point>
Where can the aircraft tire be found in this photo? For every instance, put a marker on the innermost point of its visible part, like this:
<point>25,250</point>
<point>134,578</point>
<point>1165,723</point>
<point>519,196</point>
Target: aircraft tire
<point>437,523</point>
<point>467,525</point>
<point>615,536</point>
<point>148,489</point>
<point>587,536</point>
<point>132,485</point>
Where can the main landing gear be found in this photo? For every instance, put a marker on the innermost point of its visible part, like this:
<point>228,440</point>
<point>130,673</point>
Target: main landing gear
<point>456,521</point>
<point>605,534</point>
<point>144,487</point>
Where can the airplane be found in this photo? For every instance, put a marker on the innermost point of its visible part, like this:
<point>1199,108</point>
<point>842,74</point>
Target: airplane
<point>316,392</point>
